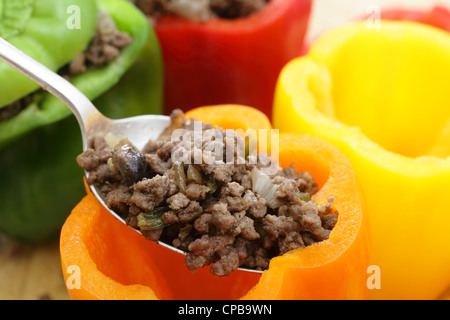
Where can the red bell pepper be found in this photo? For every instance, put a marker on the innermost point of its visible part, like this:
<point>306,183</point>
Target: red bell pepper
<point>438,17</point>
<point>230,61</point>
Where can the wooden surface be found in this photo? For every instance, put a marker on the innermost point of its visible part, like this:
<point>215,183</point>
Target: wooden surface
<point>30,273</point>
<point>35,272</point>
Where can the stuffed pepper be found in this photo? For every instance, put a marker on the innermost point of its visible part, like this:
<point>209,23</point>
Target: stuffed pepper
<point>381,96</point>
<point>297,221</point>
<point>107,50</point>
<point>438,16</point>
<point>231,51</point>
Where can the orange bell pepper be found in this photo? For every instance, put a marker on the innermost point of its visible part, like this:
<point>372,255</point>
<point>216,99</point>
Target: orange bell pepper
<point>104,259</point>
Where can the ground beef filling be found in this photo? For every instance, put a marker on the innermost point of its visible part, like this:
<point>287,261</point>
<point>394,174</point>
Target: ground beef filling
<point>201,10</point>
<point>215,212</point>
<point>104,48</point>
<point>14,108</point>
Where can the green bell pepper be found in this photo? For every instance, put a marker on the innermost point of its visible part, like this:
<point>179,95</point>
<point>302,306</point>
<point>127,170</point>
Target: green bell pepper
<point>40,180</point>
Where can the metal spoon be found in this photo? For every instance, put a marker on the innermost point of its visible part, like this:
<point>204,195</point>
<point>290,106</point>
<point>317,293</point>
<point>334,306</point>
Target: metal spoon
<point>92,122</point>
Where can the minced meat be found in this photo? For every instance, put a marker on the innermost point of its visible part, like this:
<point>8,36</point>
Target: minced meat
<point>104,47</point>
<point>201,10</point>
<point>218,212</point>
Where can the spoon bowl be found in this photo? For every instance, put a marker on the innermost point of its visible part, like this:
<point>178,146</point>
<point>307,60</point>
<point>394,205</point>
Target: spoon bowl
<point>138,130</point>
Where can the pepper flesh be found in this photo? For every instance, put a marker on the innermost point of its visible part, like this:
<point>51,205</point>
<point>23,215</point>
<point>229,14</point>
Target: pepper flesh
<point>381,96</point>
<point>439,16</point>
<point>40,180</point>
<point>38,27</point>
<point>332,269</point>
<point>230,61</point>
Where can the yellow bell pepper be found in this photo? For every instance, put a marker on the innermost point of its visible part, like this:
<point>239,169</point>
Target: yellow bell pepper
<point>383,97</point>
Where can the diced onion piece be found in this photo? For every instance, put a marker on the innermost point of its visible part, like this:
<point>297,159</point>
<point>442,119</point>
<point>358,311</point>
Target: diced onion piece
<point>111,140</point>
<point>151,220</point>
<point>180,177</point>
<point>111,165</point>
<point>193,174</point>
<point>265,188</point>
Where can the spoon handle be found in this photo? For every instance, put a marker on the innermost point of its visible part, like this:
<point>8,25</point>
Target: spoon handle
<point>79,104</point>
